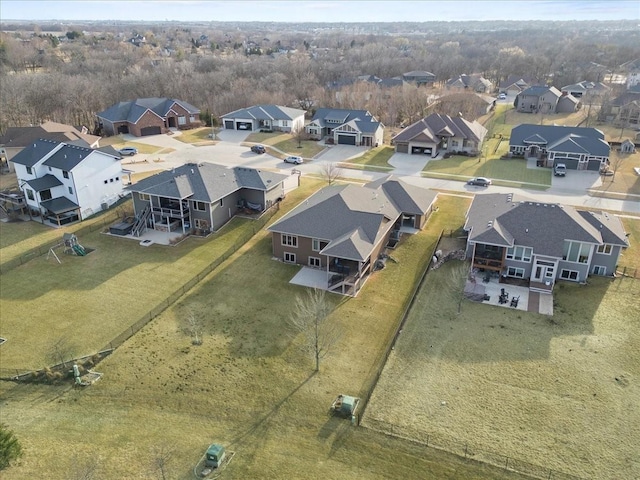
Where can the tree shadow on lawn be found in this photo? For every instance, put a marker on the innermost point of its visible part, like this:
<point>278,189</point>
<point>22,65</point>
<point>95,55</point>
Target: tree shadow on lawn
<point>111,257</point>
<point>488,333</point>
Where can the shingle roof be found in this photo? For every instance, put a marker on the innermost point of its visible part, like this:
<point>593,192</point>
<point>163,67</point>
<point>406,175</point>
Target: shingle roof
<point>561,139</point>
<point>539,90</point>
<point>131,111</point>
<point>610,227</point>
<point>35,152</point>
<point>354,218</point>
<point>24,136</point>
<point>60,205</point>
<point>206,182</point>
<point>266,112</point>
<point>43,183</point>
<point>501,219</point>
<point>67,157</point>
<point>442,125</point>
<point>341,115</point>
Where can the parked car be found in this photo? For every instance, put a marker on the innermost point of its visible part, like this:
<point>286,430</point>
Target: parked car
<point>502,96</point>
<point>560,170</point>
<point>293,159</point>
<point>479,181</point>
<point>258,149</point>
<point>129,151</point>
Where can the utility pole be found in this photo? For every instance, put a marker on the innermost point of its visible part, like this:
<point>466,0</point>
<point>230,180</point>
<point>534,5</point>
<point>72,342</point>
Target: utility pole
<point>213,132</point>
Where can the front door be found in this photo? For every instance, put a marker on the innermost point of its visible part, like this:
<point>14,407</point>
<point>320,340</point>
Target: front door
<point>543,271</point>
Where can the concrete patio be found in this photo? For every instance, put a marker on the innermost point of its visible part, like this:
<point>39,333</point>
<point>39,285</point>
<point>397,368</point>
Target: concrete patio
<point>490,291</point>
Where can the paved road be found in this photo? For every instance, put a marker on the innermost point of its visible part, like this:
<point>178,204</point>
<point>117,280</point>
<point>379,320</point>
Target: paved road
<point>230,153</point>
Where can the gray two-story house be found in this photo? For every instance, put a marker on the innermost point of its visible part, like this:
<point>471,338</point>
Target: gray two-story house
<point>541,242</point>
<point>543,99</point>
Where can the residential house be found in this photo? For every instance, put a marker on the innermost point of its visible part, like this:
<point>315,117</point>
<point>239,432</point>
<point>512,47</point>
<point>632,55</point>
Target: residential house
<point>17,138</point>
<point>346,127</point>
<point>545,100</point>
<point>585,89</point>
<point>265,117</point>
<point>343,229</point>
<point>632,69</point>
<point>475,83</point>
<point>579,148</point>
<point>148,116</point>
<point>541,242</point>
<point>65,183</point>
<point>622,111</point>
<point>419,78</point>
<point>627,146</point>
<point>202,197</point>
<point>438,133</point>
<point>466,104</point>
<point>514,85</point>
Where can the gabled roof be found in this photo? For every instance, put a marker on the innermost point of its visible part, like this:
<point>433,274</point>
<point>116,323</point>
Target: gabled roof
<point>67,157</point>
<point>501,219</point>
<point>466,81</point>
<point>35,152</point>
<point>610,227</point>
<point>521,82</point>
<point>626,98</point>
<point>266,112</point>
<point>419,73</point>
<point>131,111</point>
<point>539,90</point>
<point>436,125</point>
<point>353,219</point>
<point>43,183</point>
<point>21,137</point>
<point>586,86</point>
<point>324,116</point>
<point>561,139</point>
<point>206,182</point>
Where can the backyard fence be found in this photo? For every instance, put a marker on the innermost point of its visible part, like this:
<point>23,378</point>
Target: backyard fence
<point>466,450</point>
<point>624,271</point>
<point>374,380</point>
<point>17,373</point>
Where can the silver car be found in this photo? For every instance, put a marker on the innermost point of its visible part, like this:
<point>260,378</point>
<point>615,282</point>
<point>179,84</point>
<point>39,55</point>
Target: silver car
<point>293,159</point>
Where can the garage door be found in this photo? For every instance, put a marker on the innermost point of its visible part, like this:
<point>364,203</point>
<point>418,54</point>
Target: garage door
<point>402,148</point>
<point>594,165</point>
<point>244,126</point>
<point>346,140</point>
<point>228,124</point>
<point>150,131</point>
<point>421,150</point>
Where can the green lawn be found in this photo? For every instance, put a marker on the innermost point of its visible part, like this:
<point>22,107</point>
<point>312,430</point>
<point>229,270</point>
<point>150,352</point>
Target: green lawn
<point>286,143</point>
<point>118,142</point>
<point>631,256</point>
<point>196,135</point>
<point>249,386</point>
<point>376,157</point>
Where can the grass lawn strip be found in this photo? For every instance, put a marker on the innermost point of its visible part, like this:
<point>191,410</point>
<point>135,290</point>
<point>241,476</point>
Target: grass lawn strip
<point>375,157</point>
<point>248,386</point>
<point>552,392</point>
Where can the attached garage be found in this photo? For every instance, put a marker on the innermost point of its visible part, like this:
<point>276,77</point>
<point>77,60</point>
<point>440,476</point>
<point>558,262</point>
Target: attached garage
<point>421,150</point>
<point>402,148</point>
<point>594,165</point>
<point>228,124</point>
<point>346,140</point>
<point>150,131</point>
<point>244,126</point>
<point>571,163</point>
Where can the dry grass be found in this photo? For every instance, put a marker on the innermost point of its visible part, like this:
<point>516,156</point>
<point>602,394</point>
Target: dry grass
<point>560,392</point>
<point>248,386</point>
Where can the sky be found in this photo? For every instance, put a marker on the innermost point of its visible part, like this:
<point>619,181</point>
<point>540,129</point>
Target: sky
<point>330,11</point>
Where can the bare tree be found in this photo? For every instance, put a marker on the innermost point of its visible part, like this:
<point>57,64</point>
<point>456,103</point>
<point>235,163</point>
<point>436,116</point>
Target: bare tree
<point>310,318</point>
<point>455,283</point>
<point>616,160</point>
<point>195,328</point>
<point>162,458</point>
<point>86,469</point>
<point>330,172</point>
<point>62,351</point>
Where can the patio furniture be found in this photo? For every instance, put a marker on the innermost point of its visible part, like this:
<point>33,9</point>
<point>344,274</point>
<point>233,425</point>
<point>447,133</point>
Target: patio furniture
<point>514,301</point>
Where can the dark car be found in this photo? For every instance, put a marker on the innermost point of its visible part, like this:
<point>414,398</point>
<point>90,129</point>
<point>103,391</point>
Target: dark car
<point>479,181</point>
<point>258,149</point>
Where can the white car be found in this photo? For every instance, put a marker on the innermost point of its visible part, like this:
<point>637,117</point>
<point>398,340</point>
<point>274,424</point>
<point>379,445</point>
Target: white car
<point>502,96</point>
<point>294,159</point>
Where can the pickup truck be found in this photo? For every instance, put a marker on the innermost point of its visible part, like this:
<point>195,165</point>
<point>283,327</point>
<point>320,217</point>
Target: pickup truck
<point>560,170</point>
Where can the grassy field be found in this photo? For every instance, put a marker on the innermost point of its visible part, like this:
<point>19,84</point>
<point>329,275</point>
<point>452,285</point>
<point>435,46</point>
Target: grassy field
<point>631,256</point>
<point>196,135</point>
<point>376,157</point>
<point>249,386</point>
<point>287,143</point>
<point>558,392</point>
<point>118,142</point>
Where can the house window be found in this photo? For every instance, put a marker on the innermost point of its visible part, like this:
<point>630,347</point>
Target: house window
<point>314,262</point>
<point>192,118</point>
<point>285,123</point>
<point>70,191</point>
<point>569,275</point>
<point>599,270</point>
<point>290,240</point>
<point>144,197</point>
<point>65,174</point>
<point>49,168</point>
<point>45,195</point>
<point>604,249</point>
<point>182,120</point>
<point>576,252</point>
<point>315,245</point>
<point>30,170</point>
<point>521,254</point>
<point>200,206</point>
<point>515,272</point>
<point>289,257</point>
<point>30,194</point>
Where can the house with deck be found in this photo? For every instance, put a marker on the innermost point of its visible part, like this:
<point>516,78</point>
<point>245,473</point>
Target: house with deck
<point>541,243</point>
<point>342,230</point>
<point>545,100</point>
<point>438,133</point>
<point>201,198</point>
<point>64,183</point>
<point>346,127</point>
<point>579,148</point>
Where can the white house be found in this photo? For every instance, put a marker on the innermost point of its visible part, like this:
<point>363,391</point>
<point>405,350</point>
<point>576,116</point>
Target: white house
<point>64,183</point>
<point>265,117</point>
